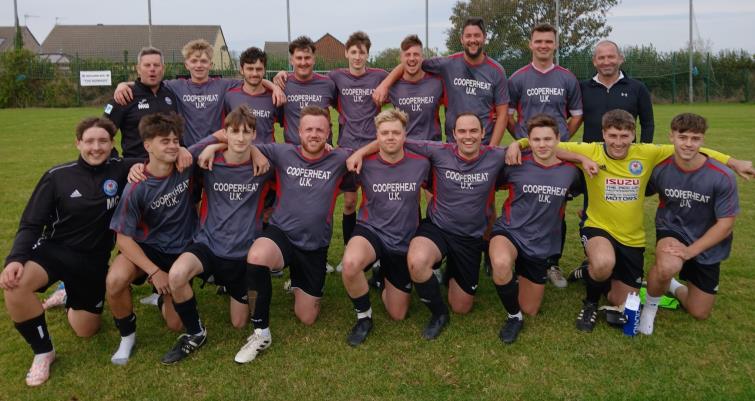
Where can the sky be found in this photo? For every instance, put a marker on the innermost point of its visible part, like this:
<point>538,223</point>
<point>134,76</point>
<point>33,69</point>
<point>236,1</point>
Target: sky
<point>662,23</point>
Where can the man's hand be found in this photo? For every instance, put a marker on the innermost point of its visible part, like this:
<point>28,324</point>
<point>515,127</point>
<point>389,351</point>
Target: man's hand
<point>208,155</point>
<point>259,161</point>
<point>742,167</point>
<point>123,94</point>
<point>590,167</point>
<point>279,97</point>
<point>136,173</point>
<point>513,154</point>
<point>160,280</point>
<point>184,159</point>
<point>680,251</point>
<point>11,275</point>
<point>380,95</point>
<point>280,79</point>
<point>354,163</point>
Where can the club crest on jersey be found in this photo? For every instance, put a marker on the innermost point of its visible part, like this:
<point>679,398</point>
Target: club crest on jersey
<point>108,109</point>
<point>110,187</point>
<point>635,167</point>
<point>168,101</point>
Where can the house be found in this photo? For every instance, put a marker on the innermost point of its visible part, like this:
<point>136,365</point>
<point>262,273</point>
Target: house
<point>119,43</point>
<point>329,51</point>
<point>8,33</point>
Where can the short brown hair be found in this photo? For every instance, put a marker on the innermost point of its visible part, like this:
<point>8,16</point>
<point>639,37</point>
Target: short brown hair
<point>197,45</point>
<point>314,111</point>
<point>474,21</point>
<point>359,38</point>
<point>99,122</point>
<point>543,27</point>
<point>161,124</point>
<point>241,117</point>
<point>146,51</point>
<point>542,121</point>
<point>301,43</point>
<point>390,115</point>
<point>469,113</point>
<point>619,119</point>
<point>409,41</point>
<point>689,122</point>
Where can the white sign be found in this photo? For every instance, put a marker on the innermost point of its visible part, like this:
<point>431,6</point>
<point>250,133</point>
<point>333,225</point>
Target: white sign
<point>95,78</point>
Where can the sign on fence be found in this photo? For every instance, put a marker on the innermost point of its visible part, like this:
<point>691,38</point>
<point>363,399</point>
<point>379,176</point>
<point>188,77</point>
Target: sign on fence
<point>95,78</point>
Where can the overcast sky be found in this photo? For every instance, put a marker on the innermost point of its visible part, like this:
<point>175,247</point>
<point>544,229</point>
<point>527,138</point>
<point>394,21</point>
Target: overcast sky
<point>663,23</point>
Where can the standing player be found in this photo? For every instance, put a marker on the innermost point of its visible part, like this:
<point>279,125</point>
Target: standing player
<point>543,87</point>
<point>388,216</point>
<point>694,222</point>
<point>528,231</point>
<point>356,113</point>
<point>418,93</point>
<point>255,95</point>
<point>612,232</point>
<point>63,235</point>
<point>230,220</point>
<point>154,223</point>
<point>610,89</point>
<point>150,96</point>
<point>303,87</point>
<point>474,82</point>
<point>300,227</point>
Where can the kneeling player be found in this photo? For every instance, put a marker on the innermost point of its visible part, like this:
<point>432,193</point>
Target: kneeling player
<point>230,220</point>
<point>388,216</point>
<point>63,235</point>
<point>529,228</point>
<point>300,227</point>
<point>154,223</point>
<point>694,222</point>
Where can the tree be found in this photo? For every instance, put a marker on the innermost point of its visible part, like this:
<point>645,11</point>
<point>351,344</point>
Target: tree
<point>508,24</point>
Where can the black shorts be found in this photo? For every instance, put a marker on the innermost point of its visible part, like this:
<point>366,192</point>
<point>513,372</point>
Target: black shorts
<point>463,254</point>
<point>392,264</point>
<point>225,272</point>
<point>629,259</point>
<point>163,260</point>
<point>270,198</point>
<point>349,183</point>
<point>532,268</point>
<point>83,274</point>
<point>307,267</point>
<point>705,277</point>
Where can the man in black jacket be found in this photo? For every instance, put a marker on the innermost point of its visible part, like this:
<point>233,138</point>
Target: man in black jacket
<point>150,96</point>
<point>64,235</point>
<point>610,89</point>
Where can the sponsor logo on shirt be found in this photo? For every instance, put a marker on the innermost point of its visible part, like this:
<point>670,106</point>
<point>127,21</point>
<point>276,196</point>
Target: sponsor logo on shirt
<point>358,94</point>
<point>466,180</point>
<point>235,191</point>
<point>110,187</point>
<point>395,189</point>
<point>304,99</point>
<point>168,100</point>
<point>306,175</point>
<point>622,189</point>
<point>685,197</point>
<point>415,102</point>
<point>471,85</point>
<point>171,198</point>
<point>635,167</point>
<point>143,105</point>
<point>544,94</point>
<point>199,101</point>
<point>544,192</point>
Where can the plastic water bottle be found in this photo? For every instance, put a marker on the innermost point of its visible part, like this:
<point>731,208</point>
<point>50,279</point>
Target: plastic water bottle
<point>632,312</point>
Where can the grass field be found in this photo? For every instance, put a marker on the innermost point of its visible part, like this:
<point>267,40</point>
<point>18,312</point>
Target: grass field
<point>684,359</point>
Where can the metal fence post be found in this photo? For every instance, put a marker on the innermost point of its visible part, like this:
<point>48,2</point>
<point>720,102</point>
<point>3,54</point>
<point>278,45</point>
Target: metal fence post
<point>77,70</point>
<point>673,78</point>
<point>707,79</point>
<point>746,84</point>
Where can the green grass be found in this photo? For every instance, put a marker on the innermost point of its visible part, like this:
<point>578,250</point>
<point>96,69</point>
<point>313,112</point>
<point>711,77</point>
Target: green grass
<point>684,359</point>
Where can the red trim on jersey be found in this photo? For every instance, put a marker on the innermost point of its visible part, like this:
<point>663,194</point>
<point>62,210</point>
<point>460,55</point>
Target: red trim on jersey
<point>434,191</point>
<point>261,206</point>
<point>732,184</point>
<point>336,192</point>
<point>311,160</point>
<point>490,203</point>
<point>125,199</point>
<point>203,208</point>
<point>495,65</point>
<point>278,192</point>
<point>508,202</point>
<point>520,71</point>
<point>364,212</point>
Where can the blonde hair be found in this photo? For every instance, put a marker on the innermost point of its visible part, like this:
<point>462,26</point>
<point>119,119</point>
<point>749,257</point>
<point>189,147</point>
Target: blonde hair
<point>390,115</point>
<point>197,45</point>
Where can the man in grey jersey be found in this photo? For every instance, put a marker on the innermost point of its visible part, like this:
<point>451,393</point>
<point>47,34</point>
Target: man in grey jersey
<point>694,222</point>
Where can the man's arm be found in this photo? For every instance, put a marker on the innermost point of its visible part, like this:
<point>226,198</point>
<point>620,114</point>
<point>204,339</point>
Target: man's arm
<point>123,93</point>
<point>354,162</point>
<point>134,253</point>
<point>743,168</point>
<point>573,124</point>
<point>645,112</point>
<point>715,234</point>
<point>35,217</point>
<point>501,117</point>
<point>380,95</point>
<point>588,165</point>
<point>279,97</point>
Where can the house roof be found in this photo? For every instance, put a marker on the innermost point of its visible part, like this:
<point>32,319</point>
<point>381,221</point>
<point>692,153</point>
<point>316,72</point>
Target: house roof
<point>7,33</point>
<point>330,49</point>
<point>110,41</point>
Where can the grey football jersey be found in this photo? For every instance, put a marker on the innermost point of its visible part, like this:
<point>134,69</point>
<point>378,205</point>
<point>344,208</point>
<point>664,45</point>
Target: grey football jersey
<point>201,105</point>
<point>421,102</point>
<point>356,110</point>
<point>318,91</point>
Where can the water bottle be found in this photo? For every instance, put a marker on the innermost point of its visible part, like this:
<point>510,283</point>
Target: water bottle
<point>632,312</point>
